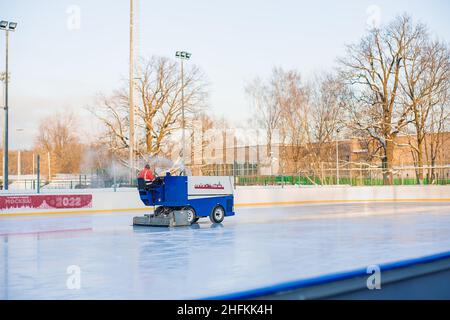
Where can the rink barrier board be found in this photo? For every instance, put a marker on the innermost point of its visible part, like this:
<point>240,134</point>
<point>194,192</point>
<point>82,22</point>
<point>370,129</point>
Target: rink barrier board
<point>417,278</point>
<point>243,205</point>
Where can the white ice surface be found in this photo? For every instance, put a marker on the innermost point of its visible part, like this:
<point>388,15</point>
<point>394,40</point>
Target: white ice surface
<point>258,247</point>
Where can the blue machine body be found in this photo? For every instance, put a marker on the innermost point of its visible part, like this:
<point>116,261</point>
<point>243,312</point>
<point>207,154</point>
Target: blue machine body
<point>173,193</point>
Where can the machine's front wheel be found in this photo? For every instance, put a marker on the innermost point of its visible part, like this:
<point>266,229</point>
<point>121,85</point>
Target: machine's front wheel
<point>217,215</point>
<point>161,210</point>
<point>192,217</point>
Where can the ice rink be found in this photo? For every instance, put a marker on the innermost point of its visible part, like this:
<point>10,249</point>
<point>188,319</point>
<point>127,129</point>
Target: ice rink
<point>258,247</point>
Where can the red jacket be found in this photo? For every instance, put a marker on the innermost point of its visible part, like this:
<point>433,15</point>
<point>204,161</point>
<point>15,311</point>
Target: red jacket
<point>146,174</point>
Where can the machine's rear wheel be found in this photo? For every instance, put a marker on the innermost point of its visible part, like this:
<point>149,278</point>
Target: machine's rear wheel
<point>217,215</point>
<point>192,217</point>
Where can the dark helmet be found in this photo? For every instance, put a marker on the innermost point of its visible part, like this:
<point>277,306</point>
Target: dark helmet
<point>147,166</point>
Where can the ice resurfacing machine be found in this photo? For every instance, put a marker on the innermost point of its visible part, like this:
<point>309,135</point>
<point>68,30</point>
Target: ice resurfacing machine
<point>182,200</point>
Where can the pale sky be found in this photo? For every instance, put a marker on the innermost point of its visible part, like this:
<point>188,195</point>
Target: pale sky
<point>55,66</point>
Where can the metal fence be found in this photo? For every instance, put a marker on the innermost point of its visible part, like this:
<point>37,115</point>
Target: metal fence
<point>68,181</point>
<point>250,175</point>
<point>348,174</point>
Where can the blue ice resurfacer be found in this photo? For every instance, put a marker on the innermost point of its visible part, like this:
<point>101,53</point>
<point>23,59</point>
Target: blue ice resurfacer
<point>182,200</point>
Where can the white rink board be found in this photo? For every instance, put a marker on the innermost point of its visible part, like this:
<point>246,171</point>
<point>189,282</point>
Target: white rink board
<point>128,198</point>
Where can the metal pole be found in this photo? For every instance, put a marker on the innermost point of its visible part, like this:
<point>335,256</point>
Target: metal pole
<point>182,116</point>
<point>5,138</point>
<point>337,161</point>
<point>19,165</point>
<point>234,174</point>
<point>361,173</point>
<point>49,166</point>
<point>114,175</point>
<point>401,172</point>
<point>131,94</point>
<point>350,172</point>
<point>38,173</point>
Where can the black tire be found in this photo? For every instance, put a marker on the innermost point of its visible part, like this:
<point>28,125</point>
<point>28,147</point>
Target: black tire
<point>192,218</point>
<point>217,214</point>
<point>158,211</point>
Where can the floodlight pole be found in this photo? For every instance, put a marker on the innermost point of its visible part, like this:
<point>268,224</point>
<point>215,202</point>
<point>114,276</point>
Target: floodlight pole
<point>6,128</point>
<point>182,55</point>
<point>131,95</point>
<point>183,118</point>
<point>6,26</point>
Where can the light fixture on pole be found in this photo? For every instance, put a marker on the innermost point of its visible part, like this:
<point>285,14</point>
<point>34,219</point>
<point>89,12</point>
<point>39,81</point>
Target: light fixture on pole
<point>7,26</point>
<point>183,55</point>
<point>131,94</point>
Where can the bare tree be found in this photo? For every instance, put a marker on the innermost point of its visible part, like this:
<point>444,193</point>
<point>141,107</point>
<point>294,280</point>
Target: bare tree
<point>112,111</point>
<point>306,116</point>
<point>373,69</point>
<point>199,140</point>
<point>310,118</point>
<point>265,105</point>
<point>58,137</point>
<point>207,123</point>
<point>158,108</point>
<point>437,133</point>
<point>426,68</point>
<point>292,97</point>
<point>327,101</point>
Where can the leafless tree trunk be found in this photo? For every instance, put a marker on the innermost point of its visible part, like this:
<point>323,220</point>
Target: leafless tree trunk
<point>327,94</point>
<point>199,134</point>
<point>438,125</point>
<point>306,116</point>
<point>58,137</point>
<point>293,100</point>
<point>373,69</point>
<point>158,108</point>
<point>426,68</point>
<point>266,108</point>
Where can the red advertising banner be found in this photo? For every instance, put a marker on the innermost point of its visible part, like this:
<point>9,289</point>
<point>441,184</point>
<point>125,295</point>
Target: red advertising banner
<point>65,201</point>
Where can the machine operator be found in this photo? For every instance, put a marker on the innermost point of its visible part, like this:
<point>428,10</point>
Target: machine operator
<point>146,174</point>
